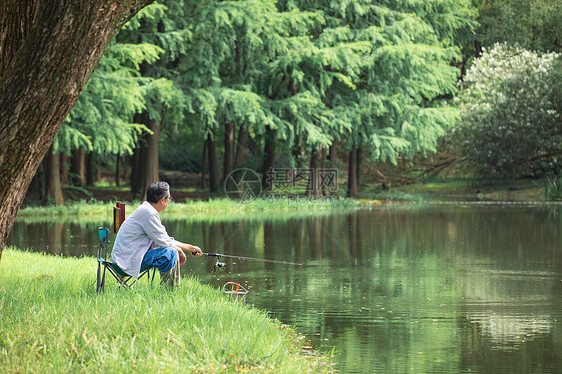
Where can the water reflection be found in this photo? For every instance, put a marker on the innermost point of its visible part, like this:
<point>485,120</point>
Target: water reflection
<point>433,289</point>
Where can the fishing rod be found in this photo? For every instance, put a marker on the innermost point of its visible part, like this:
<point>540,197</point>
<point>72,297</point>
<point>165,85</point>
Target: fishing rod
<point>221,265</point>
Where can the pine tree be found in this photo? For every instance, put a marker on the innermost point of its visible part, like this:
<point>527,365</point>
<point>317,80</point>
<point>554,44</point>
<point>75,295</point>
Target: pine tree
<point>383,69</point>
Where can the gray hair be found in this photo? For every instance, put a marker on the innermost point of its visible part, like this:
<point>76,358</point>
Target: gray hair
<point>156,191</point>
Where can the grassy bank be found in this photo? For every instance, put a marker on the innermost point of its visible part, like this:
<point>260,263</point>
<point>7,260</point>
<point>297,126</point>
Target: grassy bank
<point>53,321</point>
<point>201,209</point>
<point>472,189</point>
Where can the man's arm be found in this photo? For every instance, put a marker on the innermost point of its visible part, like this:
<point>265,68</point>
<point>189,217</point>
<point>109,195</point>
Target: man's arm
<point>184,247</point>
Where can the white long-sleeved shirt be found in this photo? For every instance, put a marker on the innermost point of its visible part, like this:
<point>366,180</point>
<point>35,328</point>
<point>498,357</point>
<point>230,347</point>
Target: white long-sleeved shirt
<point>141,231</point>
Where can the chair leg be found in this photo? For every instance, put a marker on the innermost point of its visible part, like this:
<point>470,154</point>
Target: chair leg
<point>103,279</point>
<point>98,283</point>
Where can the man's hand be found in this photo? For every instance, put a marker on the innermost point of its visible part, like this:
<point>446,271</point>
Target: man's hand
<point>184,247</point>
<point>181,257</point>
<point>196,251</point>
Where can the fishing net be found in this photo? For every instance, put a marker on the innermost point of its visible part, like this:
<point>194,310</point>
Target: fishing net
<point>236,292</point>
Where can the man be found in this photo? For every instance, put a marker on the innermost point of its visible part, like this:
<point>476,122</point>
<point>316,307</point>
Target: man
<point>142,240</point>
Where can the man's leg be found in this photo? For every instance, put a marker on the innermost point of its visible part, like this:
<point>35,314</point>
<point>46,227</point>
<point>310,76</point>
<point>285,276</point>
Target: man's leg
<point>165,260</point>
<point>171,277</point>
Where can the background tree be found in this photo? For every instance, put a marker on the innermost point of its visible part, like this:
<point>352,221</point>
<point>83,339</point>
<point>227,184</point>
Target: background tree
<point>164,101</point>
<point>532,24</point>
<point>48,50</point>
<point>101,122</point>
<point>512,117</point>
<point>384,69</point>
<point>225,73</point>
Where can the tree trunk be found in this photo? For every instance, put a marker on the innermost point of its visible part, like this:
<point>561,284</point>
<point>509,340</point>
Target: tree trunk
<point>118,170</point>
<point>203,166</point>
<point>228,160</point>
<point>37,185</point>
<point>313,185</point>
<point>332,158</point>
<point>152,153</point>
<point>241,147</point>
<point>352,188</point>
<point>64,168</point>
<point>48,50</point>
<point>145,163</point>
<point>358,169</point>
<point>298,153</point>
<point>213,166</point>
<point>268,157</point>
<point>323,167</point>
<point>137,171</point>
<point>53,187</point>
<point>91,172</point>
<point>78,167</point>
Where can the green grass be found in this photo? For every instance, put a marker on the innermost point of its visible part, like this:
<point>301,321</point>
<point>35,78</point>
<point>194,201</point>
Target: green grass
<point>53,321</point>
<point>553,188</point>
<point>202,209</point>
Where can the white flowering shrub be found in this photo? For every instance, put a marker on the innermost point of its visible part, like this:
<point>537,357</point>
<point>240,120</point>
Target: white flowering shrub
<point>511,117</point>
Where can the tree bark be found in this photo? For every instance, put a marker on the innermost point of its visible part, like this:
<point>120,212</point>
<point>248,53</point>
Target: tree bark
<point>118,170</point>
<point>53,187</point>
<point>64,168</point>
<point>332,158</point>
<point>145,157</point>
<point>78,167</point>
<point>152,153</point>
<point>228,160</point>
<point>137,171</point>
<point>91,171</point>
<point>358,169</point>
<point>213,166</point>
<point>313,185</point>
<point>204,166</point>
<point>48,50</point>
<point>323,167</point>
<point>268,157</point>
<point>241,147</point>
<point>352,188</point>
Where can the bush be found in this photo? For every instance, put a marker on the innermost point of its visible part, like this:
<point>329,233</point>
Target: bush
<point>510,112</point>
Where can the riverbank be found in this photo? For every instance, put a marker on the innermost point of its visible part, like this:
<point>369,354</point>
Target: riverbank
<point>53,321</point>
<point>406,189</point>
<point>471,189</point>
<point>218,208</point>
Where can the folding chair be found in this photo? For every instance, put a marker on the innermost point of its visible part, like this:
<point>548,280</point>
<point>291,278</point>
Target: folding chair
<point>122,278</point>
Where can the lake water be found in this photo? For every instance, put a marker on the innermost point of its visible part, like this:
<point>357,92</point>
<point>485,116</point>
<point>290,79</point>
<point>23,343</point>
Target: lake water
<point>443,288</point>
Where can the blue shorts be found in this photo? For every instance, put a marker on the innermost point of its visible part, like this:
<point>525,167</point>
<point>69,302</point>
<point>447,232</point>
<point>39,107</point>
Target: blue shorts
<point>163,259</point>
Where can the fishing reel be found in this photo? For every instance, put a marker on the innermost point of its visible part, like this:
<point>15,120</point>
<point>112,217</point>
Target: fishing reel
<point>219,265</point>
<point>222,265</point>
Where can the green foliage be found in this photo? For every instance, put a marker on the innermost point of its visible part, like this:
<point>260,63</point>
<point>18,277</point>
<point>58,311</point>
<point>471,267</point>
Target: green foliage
<point>102,119</point>
<point>383,69</point>
<point>533,24</point>
<point>372,74</point>
<point>553,188</point>
<point>511,112</point>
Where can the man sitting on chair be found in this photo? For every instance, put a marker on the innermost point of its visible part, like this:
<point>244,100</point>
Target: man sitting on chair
<point>142,240</point>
